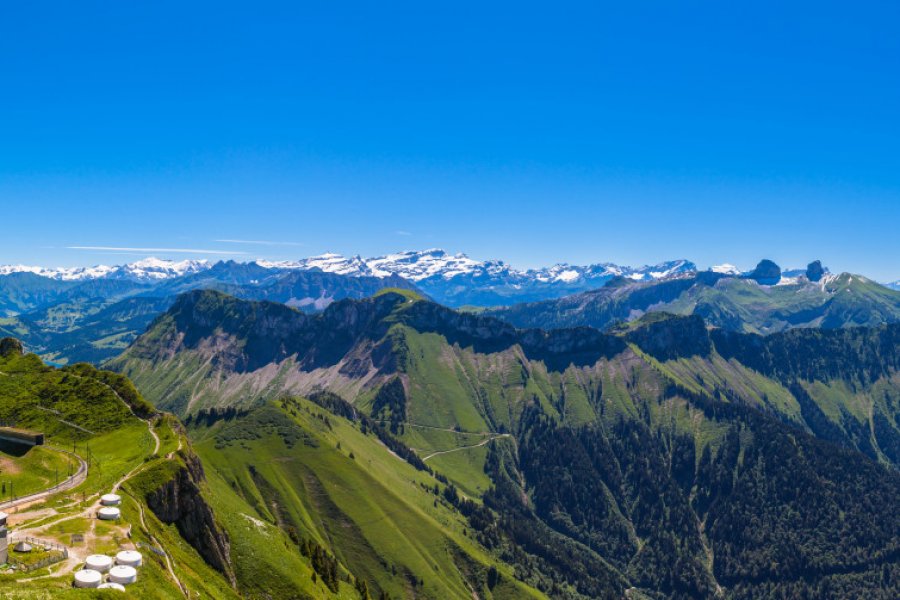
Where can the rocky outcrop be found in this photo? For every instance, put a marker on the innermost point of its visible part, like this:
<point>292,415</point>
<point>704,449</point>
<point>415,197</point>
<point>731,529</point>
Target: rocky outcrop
<point>815,271</point>
<point>179,501</point>
<point>766,273</point>
<point>10,346</point>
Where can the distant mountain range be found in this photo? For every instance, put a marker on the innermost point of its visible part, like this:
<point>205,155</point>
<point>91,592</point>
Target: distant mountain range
<point>452,279</point>
<point>93,319</point>
<point>457,280</point>
<point>91,314</point>
<point>420,266</point>
<point>148,269</point>
<point>412,265</point>
<point>734,303</point>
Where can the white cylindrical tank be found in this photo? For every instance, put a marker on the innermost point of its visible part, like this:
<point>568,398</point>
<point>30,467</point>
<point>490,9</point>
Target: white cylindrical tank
<point>108,513</point>
<point>122,574</point>
<point>87,578</point>
<point>112,586</point>
<point>129,558</point>
<point>110,499</point>
<point>98,562</point>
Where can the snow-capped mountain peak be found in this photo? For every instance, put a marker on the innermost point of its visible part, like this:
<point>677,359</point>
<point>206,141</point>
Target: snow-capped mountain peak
<point>152,269</point>
<point>668,269</point>
<point>60,273</point>
<point>353,266</point>
<point>435,263</point>
<point>422,264</point>
<point>431,265</point>
<point>412,265</point>
<point>564,273</point>
<point>147,269</point>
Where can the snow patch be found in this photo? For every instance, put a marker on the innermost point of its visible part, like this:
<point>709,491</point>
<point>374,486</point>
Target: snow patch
<point>725,269</point>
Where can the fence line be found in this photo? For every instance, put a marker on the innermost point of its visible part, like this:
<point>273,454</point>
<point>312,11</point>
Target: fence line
<point>62,553</point>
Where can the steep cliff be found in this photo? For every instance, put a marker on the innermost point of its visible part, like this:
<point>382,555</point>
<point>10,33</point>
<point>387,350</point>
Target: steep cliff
<point>173,490</point>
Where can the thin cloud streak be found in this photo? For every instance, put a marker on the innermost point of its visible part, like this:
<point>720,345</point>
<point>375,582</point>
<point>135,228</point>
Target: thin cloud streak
<point>160,250</point>
<point>401,232</point>
<point>261,242</point>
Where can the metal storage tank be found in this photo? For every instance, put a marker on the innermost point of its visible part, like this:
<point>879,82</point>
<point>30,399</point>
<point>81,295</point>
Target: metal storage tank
<point>110,499</point>
<point>112,586</point>
<point>108,513</point>
<point>122,574</point>
<point>129,558</point>
<point>98,562</point>
<point>87,578</point>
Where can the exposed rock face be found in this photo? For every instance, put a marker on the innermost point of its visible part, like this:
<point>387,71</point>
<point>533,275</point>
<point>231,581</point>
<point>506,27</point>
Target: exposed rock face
<point>9,346</point>
<point>179,501</point>
<point>766,273</point>
<point>814,270</point>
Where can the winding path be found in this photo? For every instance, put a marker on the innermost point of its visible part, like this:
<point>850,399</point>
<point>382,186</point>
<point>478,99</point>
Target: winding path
<point>478,445</point>
<point>448,430</point>
<point>156,542</point>
<point>139,467</point>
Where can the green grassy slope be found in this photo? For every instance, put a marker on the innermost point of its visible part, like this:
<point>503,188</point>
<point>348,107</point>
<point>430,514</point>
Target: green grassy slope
<point>293,472</point>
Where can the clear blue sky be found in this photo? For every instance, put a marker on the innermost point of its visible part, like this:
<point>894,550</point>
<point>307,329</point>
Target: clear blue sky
<point>631,132</point>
